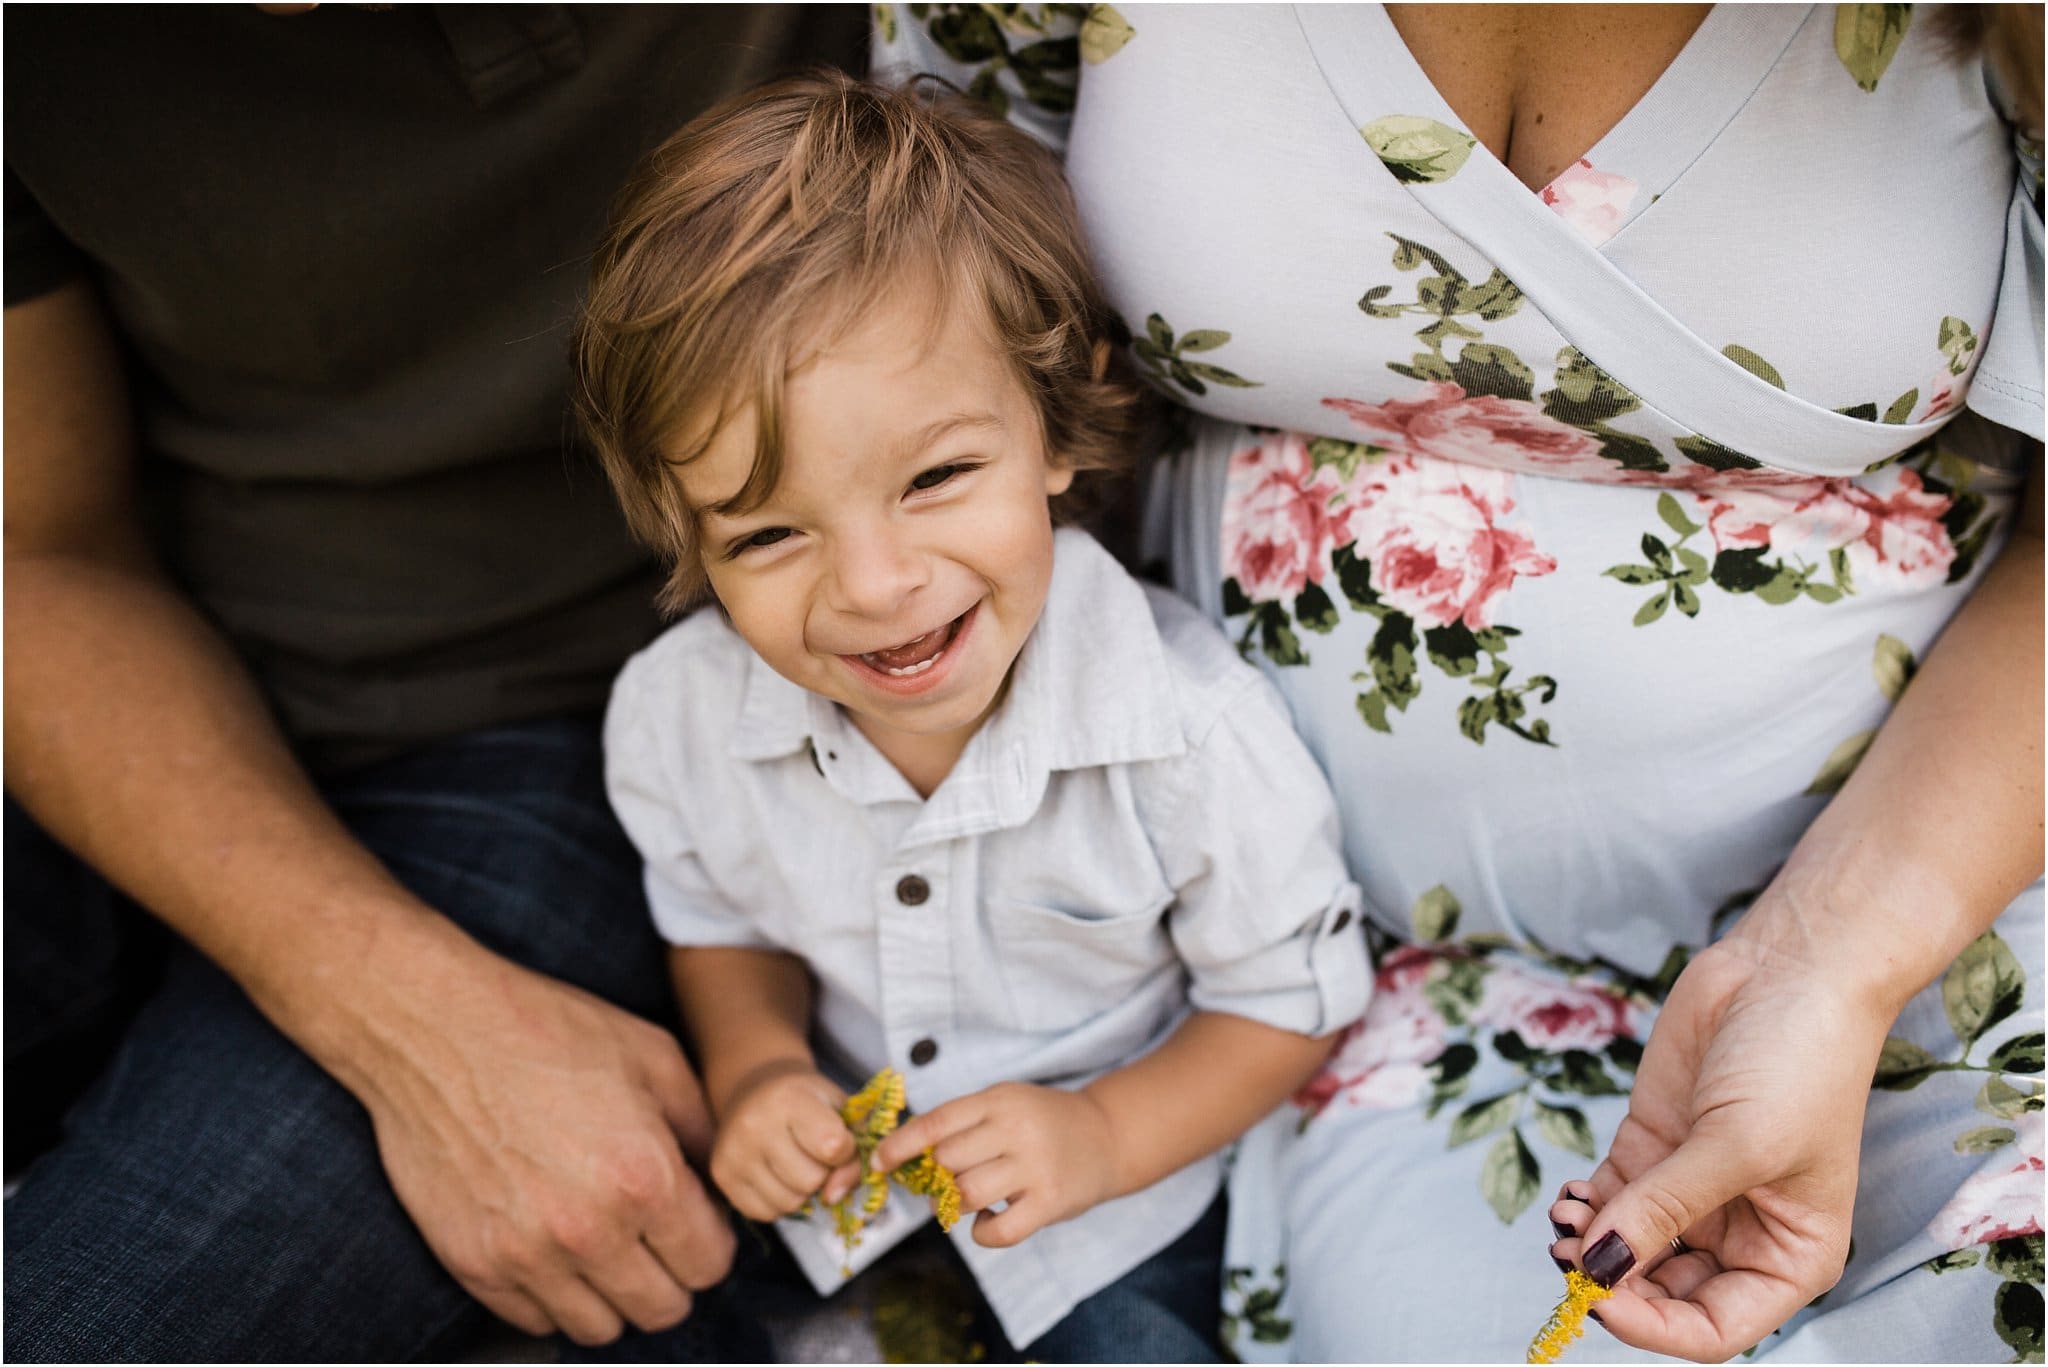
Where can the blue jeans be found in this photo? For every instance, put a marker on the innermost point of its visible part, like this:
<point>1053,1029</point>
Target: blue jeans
<point>216,1195</point>
<point>1166,1309</point>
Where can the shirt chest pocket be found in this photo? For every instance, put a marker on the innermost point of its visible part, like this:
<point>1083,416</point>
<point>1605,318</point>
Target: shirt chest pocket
<point>1061,968</point>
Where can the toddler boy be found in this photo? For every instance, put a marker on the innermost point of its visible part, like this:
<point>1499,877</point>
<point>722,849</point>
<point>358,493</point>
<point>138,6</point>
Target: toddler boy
<point>939,787</point>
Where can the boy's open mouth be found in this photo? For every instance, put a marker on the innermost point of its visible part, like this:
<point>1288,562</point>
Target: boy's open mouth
<point>914,656</point>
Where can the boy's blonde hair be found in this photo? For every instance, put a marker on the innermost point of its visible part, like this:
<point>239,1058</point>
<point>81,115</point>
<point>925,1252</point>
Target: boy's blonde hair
<point>783,216</point>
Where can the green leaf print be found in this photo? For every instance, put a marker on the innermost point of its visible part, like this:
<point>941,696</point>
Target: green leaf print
<point>1450,1076</point>
<point>1103,34</point>
<point>1354,577</point>
<point>2000,1098</point>
<point>1956,342</point>
<point>1840,763</point>
<point>2018,1257</point>
<point>885,21</point>
<point>1955,1261</point>
<point>1418,151</point>
<point>1867,37</point>
<point>1652,610</point>
<point>1754,364</point>
<point>1902,407</point>
<point>1982,987</point>
<point>1453,649</point>
<point>1566,1127</point>
<point>1893,666</point>
<point>1165,359</point>
<point>1712,454</point>
<point>1482,368</point>
<point>2020,1054</point>
<point>1743,571</point>
<point>2016,1315</point>
<point>1314,610</point>
<point>1674,516</point>
<point>1483,1118</point>
<point>1862,412</point>
<point>1509,1178</point>
<point>1903,1065</point>
<point>1435,915</point>
<point>1583,1075</point>
<point>1586,395</point>
<point>1256,1306</point>
<point>1984,1139</point>
<point>1279,642</point>
<point>1494,298</point>
<point>1342,456</point>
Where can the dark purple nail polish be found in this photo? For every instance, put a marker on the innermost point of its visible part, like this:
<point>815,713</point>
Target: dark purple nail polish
<point>1561,1229</point>
<point>1563,1264</point>
<point>1594,1315</point>
<point>1567,1194</point>
<point>1608,1261</point>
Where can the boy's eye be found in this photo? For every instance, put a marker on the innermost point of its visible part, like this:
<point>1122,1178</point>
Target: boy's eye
<point>938,474</point>
<point>767,536</point>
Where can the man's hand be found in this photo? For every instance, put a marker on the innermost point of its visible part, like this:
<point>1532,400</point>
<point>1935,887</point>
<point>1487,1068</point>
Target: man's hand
<point>782,1141</point>
<point>1047,1154</point>
<point>536,1135</point>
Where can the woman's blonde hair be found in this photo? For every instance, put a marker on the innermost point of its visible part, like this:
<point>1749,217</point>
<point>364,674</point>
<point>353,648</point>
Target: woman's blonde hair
<point>776,221</point>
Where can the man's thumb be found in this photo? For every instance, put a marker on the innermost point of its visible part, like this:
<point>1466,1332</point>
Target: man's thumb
<point>1644,1218</point>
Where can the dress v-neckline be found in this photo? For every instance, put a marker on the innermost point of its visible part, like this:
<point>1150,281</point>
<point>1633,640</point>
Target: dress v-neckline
<point>1651,144</point>
<point>1410,135</point>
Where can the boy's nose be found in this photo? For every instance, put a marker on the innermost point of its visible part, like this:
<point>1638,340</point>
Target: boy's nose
<point>872,575</point>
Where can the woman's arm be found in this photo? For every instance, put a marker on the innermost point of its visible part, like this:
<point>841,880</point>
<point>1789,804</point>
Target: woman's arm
<point>1745,1126</point>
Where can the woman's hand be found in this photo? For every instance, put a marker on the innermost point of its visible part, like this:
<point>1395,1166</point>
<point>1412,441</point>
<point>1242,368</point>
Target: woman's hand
<point>1742,1139</point>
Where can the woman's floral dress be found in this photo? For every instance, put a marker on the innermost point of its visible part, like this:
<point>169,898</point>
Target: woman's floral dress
<point>1590,534</point>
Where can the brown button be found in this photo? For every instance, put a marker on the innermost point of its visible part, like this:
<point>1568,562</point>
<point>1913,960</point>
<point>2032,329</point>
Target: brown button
<point>911,890</point>
<point>1343,920</point>
<point>923,1052</point>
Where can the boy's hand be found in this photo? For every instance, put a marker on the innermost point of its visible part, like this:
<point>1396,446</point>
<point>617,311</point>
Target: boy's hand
<point>1048,1154</point>
<point>781,1142</point>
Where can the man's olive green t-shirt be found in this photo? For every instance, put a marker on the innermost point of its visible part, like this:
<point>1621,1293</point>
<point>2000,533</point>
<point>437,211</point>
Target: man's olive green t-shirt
<point>343,250</point>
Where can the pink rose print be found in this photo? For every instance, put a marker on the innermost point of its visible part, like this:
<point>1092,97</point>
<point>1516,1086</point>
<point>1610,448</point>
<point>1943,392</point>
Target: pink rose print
<point>1942,398</point>
<point>1437,551</point>
<point>1276,518</point>
<point>1383,1061</point>
<point>1593,202</point>
<point>1447,424</point>
<point>1896,540</point>
<point>1905,543</point>
<point>1552,1014</point>
<point>2002,1200</point>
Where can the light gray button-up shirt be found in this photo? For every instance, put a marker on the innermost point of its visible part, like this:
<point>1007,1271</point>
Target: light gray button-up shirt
<point>1134,831</point>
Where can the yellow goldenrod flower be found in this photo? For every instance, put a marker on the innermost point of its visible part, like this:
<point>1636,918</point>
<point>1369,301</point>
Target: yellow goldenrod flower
<point>871,1114</point>
<point>1568,1320</point>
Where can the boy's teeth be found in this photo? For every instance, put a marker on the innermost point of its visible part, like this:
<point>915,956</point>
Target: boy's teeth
<point>914,656</point>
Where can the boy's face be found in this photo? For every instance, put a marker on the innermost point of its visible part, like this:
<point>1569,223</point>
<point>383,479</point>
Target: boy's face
<point>904,554</point>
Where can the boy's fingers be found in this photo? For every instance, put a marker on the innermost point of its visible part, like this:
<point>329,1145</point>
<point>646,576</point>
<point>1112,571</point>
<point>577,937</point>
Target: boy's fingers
<point>841,1181</point>
<point>824,1138</point>
<point>971,1148</point>
<point>1016,1222</point>
<point>789,1167</point>
<point>926,1131</point>
<point>983,1186</point>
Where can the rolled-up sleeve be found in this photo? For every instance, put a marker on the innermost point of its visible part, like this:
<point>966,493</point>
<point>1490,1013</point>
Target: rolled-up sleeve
<point>1266,918</point>
<point>641,769</point>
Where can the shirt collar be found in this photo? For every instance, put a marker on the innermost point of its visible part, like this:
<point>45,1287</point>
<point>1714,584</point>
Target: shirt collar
<point>1091,687</point>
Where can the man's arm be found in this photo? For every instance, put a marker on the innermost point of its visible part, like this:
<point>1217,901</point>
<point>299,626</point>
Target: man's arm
<point>136,738</point>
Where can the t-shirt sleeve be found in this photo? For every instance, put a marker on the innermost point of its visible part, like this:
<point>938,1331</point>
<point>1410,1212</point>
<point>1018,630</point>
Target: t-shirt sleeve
<point>1266,919</point>
<point>39,257</point>
<point>640,765</point>
<point>2007,386</point>
<point>1025,64</point>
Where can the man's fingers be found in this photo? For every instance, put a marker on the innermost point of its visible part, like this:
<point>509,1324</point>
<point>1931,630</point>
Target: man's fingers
<point>690,1236</point>
<point>574,1304</point>
<point>1640,1219</point>
<point>681,1098</point>
<point>515,1307</point>
<point>644,1292</point>
<point>927,1131</point>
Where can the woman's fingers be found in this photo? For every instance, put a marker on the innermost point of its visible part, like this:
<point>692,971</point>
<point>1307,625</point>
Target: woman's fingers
<point>1725,1314</point>
<point>1639,1220</point>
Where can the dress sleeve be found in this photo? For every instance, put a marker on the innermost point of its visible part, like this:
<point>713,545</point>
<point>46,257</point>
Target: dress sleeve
<point>639,765</point>
<point>1024,64</point>
<point>2007,386</point>
<point>1265,917</point>
<point>39,257</point>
